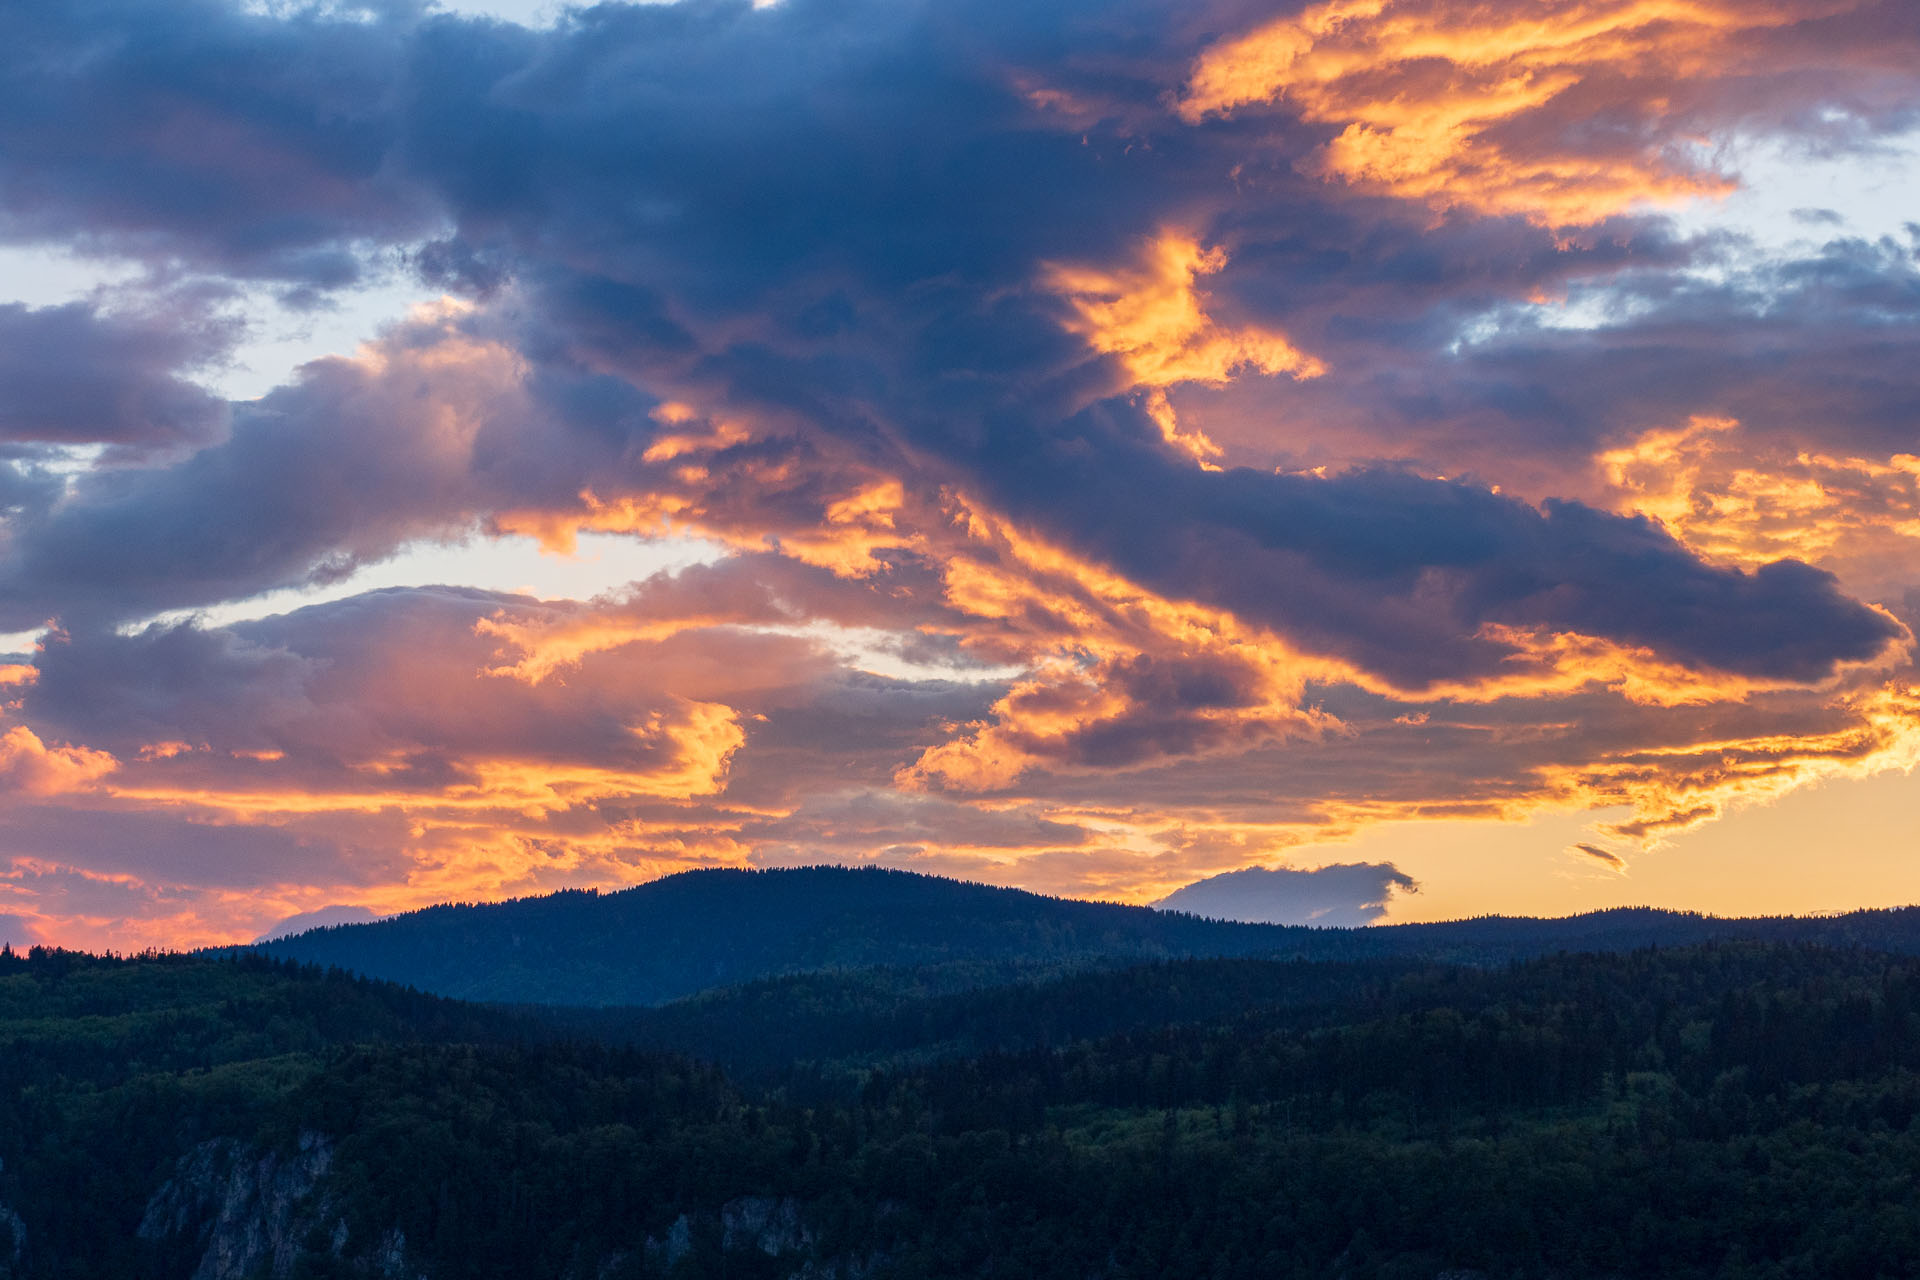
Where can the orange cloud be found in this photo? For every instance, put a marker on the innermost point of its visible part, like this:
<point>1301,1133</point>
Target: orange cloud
<point>1671,789</point>
<point>546,646</point>
<point>839,520</point>
<point>1741,501</point>
<point>1083,711</point>
<point>29,767</point>
<point>1119,676</point>
<point>1155,319</point>
<point>689,751</point>
<point>1547,664</point>
<point>1234,744</point>
<point>1481,106</point>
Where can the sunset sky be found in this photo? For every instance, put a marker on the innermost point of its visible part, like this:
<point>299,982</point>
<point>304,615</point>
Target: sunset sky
<point>458,452</point>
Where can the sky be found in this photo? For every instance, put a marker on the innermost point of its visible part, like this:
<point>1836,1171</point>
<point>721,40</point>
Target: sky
<point>1447,457</point>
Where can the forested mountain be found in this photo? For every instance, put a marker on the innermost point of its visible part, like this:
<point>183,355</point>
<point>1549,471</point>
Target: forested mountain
<point>1728,1110</point>
<point>835,1026</point>
<point>706,929</point>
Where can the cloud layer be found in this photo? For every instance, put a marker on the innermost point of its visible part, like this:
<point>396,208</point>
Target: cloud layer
<point>1136,438</point>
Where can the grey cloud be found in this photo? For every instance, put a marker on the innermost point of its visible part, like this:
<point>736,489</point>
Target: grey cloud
<point>72,375</point>
<point>195,130</point>
<point>832,213</point>
<point>338,469</point>
<point>162,851</point>
<point>1344,894</point>
<point>319,919</point>
<point>862,824</point>
<point>1606,857</point>
<point>1399,573</point>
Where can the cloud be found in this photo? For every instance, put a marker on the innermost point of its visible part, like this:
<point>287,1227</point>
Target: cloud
<point>1135,438</point>
<point>321,918</point>
<point>199,131</point>
<point>362,704</point>
<point>1605,857</point>
<point>1737,500</point>
<point>349,740</point>
<point>1396,574</point>
<point>73,375</point>
<point>1565,112</point>
<point>1153,320</point>
<point>335,470</point>
<point>1345,895</point>
<point>29,767</point>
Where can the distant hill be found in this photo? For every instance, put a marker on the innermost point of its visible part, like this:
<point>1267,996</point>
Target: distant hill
<point>701,930</point>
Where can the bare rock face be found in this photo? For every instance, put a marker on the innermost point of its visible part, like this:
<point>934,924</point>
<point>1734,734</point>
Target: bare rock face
<point>255,1213</point>
<point>246,1213</point>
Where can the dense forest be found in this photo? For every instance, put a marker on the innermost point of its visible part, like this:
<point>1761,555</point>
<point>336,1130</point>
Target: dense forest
<point>698,930</point>
<point>1729,1109</point>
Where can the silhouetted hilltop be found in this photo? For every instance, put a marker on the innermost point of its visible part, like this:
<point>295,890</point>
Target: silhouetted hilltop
<point>718,928</point>
<point>704,929</point>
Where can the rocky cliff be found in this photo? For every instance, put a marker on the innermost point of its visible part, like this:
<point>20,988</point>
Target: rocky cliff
<point>249,1212</point>
<point>239,1212</point>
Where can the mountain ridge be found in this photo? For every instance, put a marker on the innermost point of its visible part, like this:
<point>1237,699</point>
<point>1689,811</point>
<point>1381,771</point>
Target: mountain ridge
<point>720,927</point>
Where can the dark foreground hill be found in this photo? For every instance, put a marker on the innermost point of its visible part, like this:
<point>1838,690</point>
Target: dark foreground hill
<point>707,929</point>
<point>1738,1111</point>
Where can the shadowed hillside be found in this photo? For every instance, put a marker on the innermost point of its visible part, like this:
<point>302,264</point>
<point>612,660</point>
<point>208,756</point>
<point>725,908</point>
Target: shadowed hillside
<point>706,929</point>
<point>1725,1112</point>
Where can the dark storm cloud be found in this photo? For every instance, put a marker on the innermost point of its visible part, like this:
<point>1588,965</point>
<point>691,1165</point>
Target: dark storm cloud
<point>833,212</point>
<point>1398,573</point>
<point>253,144</point>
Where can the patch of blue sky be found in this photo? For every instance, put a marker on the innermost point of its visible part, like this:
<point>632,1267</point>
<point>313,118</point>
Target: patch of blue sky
<point>1792,201</point>
<point>599,563</point>
<point>277,340</point>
